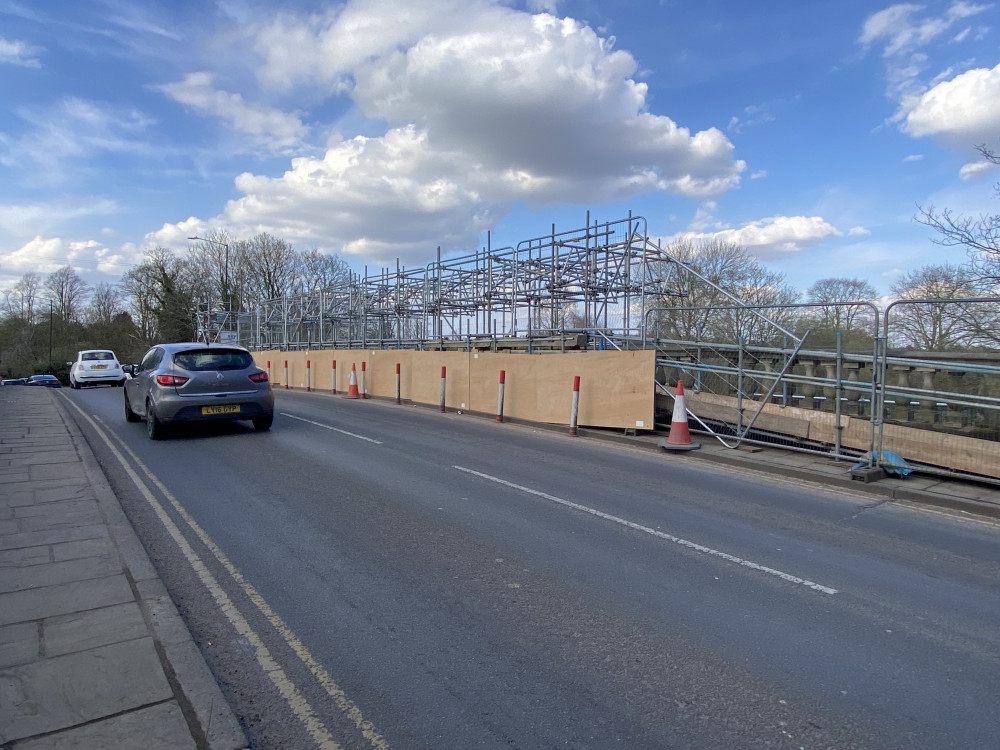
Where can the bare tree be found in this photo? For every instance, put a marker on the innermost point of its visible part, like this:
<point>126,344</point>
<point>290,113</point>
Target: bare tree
<point>21,300</point>
<point>162,297</point>
<point>318,270</point>
<point>68,293</point>
<point>721,269</point>
<point>212,263</point>
<point>979,235</point>
<point>106,302</point>
<point>938,319</point>
<point>270,267</point>
<point>831,294</point>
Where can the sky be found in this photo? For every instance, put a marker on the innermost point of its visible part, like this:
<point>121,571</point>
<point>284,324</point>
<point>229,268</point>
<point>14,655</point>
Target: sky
<point>809,132</point>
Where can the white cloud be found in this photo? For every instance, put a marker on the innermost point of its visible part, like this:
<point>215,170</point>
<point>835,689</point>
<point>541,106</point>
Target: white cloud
<point>975,170</point>
<point>770,238</point>
<point>73,128</point>
<point>21,220</point>
<point>15,52</point>
<point>905,33</point>
<point>39,255</point>
<point>902,32</point>
<point>265,125</point>
<point>913,157</point>
<point>964,110</point>
<point>858,232</point>
<point>482,106</point>
<point>43,255</point>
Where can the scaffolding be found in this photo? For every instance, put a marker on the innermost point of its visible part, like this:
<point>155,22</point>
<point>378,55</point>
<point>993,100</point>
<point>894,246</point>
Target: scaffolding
<point>585,287</point>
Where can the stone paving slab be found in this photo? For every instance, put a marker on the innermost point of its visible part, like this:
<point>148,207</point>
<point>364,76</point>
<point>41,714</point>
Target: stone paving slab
<point>88,633</point>
<point>63,691</point>
<point>78,596</point>
<point>161,727</point>
<point>54,573</point>
<point>98,627</point>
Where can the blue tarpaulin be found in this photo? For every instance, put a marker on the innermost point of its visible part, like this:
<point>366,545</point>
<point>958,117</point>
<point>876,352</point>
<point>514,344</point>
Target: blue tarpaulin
<point>893,463</point>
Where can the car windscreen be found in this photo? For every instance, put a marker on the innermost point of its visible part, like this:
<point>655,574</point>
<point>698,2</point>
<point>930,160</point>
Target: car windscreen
<point>213,359</point>
<point>93,356</point>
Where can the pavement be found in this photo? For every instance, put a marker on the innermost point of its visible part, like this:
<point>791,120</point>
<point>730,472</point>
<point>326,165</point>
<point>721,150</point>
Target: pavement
<point>93,653</point>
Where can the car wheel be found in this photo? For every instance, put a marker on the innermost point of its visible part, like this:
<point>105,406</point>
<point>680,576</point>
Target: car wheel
<point>154,427</point>
<point>263,423</point>
<point>130,416</point>
<point>72,384</point>
<point>121,383</point>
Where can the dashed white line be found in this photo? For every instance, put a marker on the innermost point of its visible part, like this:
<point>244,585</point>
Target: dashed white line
<point>654,532</point>
<point>330,427</point>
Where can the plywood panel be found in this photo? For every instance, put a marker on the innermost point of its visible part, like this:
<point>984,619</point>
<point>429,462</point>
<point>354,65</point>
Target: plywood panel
<point>616,387</point>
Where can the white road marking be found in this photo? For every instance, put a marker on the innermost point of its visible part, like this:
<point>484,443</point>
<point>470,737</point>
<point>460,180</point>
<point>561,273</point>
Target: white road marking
<point>328,427</point>
<point>653,532</point>
<point>288,690</point>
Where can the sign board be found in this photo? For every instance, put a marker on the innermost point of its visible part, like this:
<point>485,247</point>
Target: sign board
<point>227,337</point>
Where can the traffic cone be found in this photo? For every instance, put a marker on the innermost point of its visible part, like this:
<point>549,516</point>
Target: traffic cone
<point>679,438</point>
<point>352,385</point>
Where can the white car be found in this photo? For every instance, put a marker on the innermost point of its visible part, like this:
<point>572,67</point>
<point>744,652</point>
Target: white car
<point>96,367</point>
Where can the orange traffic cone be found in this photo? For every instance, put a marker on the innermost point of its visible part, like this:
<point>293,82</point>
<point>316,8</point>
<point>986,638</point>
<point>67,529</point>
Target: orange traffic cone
<point>352,384</point>
<point>679,438</point>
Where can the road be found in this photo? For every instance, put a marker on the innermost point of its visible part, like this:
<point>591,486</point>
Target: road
<point>367,575</point>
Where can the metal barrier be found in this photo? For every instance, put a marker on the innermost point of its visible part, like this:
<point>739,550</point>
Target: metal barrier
<point>955,392</point>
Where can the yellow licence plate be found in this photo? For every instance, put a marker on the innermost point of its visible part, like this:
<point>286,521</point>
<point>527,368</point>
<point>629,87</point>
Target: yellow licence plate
<point>227,409</point>
<point>99,367</point>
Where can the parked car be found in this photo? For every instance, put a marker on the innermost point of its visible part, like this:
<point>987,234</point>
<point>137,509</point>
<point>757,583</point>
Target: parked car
<point>95,367</point>
<point>13,381</point>
<point>196,382</point>
<point>45,381</point>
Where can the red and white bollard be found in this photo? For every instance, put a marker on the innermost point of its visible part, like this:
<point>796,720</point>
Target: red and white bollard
<point>333,379</point>
<point>575,412</point>
<point>442,387</point>
<point>286,374</point>
<point>364,380</point>
<point>268,371</point>
<point>503,377</point>
<point>308,375</point>
<point>399,399</point>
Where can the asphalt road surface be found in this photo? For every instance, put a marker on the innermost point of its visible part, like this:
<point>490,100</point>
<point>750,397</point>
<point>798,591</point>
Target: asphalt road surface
<point>367,575</point>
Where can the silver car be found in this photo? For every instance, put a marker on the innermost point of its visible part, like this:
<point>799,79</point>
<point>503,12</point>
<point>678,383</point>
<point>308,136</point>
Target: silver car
<point>197,382</point>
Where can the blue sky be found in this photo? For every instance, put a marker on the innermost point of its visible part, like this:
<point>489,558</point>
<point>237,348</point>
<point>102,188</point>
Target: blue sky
<point>808,132</point>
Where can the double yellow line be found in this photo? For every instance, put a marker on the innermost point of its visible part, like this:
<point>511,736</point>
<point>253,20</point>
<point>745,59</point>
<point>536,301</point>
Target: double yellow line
<point>298,704</point>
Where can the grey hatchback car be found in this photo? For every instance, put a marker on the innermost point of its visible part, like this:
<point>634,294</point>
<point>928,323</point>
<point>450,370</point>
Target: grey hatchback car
<point>197,382</point>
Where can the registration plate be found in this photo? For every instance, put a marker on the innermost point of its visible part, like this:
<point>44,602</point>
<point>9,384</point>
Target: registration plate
<point>227,409</point>
<point>99,367</point>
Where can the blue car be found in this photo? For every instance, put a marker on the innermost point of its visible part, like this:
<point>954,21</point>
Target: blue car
<point>45,381</point>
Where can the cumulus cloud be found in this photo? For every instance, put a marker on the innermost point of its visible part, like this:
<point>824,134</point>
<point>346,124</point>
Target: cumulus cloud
<point>264,125</point>
<point>943,104</point>
<point>15,52</point>
<point>43,255</point>
<point>963,110</point>
<point>481,106</point>
<point>771,238</point>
